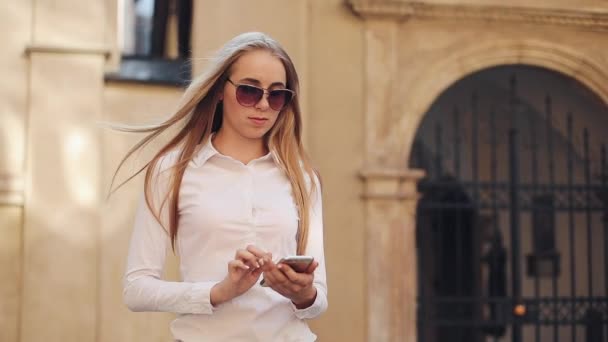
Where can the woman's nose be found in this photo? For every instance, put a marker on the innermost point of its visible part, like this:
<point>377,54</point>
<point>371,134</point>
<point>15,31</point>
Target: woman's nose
<point>263,103</point>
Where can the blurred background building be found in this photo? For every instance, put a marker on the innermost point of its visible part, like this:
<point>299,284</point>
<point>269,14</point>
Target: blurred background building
<point>461,144</point>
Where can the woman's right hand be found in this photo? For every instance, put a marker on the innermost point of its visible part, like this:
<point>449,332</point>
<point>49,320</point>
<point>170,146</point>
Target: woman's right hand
<point>243,272</point>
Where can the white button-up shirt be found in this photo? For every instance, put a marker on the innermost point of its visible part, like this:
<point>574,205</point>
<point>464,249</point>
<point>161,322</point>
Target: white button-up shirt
<point>224,205</point>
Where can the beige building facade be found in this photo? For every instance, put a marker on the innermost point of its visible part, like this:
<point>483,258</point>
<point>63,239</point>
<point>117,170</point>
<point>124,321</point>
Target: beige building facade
<point>370,70</point>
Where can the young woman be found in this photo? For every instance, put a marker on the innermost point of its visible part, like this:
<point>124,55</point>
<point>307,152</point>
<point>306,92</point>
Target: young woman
<point>232,193</point>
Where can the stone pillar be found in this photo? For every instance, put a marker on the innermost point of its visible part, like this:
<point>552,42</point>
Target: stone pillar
<point>390,193</point>
<point>10,269</point>
<point>62,174</point>
<point>390,202</point>
<point>381,68</point>
<point>16,25</point>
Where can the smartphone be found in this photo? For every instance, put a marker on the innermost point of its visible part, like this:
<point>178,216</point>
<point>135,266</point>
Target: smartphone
<point>299,263</point>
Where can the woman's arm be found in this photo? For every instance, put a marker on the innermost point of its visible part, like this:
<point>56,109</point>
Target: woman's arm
<point>144,290</point>
<point>143,286</point>
<point>315,249</point>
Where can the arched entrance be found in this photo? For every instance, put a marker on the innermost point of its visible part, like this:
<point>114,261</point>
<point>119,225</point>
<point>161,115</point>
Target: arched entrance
<point>512,226</point>
<point>413,53</point>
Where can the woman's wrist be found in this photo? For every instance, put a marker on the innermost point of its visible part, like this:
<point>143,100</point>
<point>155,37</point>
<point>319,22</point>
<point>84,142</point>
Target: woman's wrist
<point>220,293</point>
<point>307,299</point>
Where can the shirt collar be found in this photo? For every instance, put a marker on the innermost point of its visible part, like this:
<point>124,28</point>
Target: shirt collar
<point>204,152</point>
<point>207,150</point>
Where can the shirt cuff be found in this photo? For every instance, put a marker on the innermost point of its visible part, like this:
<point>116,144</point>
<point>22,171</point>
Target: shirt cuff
<point>199,298</point>
<point>317,308</point>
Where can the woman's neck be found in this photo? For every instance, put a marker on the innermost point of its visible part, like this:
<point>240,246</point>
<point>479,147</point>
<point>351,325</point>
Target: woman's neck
<point>239,147</point>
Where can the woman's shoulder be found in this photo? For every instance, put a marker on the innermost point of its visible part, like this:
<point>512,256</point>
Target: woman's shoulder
<point>166,162</point>
<point>312,178</point>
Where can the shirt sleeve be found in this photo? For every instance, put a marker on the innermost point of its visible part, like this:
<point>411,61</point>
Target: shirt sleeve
<point>315,249</point>
<point>143,286</point>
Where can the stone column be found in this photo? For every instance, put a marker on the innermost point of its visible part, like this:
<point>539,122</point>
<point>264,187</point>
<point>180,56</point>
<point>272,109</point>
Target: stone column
<point>66,59</point>
<point>16,25</point>
<point>390,193</point>
<point>390,202</point>
<point>381,68</point>
<point>10,267</point>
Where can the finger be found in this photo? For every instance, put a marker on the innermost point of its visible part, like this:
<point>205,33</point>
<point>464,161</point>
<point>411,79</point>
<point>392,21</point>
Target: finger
<point>295,277</point>
<point>258,252</point>
<point>267,264</point>
<point>292,286</point>
<point>283,285</point>
<point>269,279</point>
<point>275,278</point>
<point>237,264</point>
<point>312,267</point>
<point>247,258</point>
<point>268,258</point>
<point>276,286</point>
<point>256,273</point>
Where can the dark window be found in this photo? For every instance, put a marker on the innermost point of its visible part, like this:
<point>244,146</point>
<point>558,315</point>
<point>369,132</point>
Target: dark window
<point>155,42</point>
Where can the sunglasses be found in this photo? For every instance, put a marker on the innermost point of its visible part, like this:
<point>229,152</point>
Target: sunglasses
<point>248,95</point>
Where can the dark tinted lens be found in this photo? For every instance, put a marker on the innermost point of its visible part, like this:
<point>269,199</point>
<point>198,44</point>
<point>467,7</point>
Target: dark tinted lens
<point>248,95</point>
<point>277,99</point>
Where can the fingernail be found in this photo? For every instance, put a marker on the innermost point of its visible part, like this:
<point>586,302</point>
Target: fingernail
<point>280,266</point>
<point>261,262</point>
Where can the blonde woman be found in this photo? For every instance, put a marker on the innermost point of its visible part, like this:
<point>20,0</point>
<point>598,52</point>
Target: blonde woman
<point>231,193</point>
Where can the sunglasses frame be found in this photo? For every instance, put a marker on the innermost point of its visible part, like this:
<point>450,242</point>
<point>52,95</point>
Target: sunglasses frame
<point>265,91</point>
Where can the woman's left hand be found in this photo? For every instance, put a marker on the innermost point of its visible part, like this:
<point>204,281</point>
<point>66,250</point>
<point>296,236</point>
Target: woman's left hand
<point>298,287</point>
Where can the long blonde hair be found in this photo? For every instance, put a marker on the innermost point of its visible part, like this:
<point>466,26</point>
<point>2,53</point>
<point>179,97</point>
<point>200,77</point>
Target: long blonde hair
<point>201,112</point>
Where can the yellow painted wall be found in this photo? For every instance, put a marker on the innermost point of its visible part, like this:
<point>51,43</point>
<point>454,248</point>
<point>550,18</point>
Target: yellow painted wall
<point>127,104</point>
<point>56,162</point>
<point>335,131</point>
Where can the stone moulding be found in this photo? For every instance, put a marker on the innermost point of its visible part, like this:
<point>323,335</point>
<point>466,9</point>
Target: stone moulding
<point>390,184</point>
<point>59,49</point>
<point>402,10</point>
<point>11,190</point>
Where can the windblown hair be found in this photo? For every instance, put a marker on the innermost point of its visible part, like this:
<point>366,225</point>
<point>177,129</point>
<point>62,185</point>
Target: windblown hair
<point>200,112</point>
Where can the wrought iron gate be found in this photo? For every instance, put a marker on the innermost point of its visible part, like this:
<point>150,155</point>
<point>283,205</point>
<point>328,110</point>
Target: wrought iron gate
<point>522,258</point>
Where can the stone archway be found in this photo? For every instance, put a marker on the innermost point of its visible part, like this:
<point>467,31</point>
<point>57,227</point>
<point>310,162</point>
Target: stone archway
<point>554,56</point>
<point>413,52</point>
<point>536,131</point>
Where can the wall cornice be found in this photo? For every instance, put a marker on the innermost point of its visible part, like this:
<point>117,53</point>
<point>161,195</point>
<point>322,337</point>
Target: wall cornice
<point>403,10</point>
<point>11,190</point>
<point>60,49</point>
<point>390,184</point>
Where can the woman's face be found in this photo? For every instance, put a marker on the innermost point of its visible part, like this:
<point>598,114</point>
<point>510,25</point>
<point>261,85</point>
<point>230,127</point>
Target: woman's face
<point>258,68</point>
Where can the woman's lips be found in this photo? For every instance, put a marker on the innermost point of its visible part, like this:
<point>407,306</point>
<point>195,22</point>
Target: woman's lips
<point>258,121</point>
